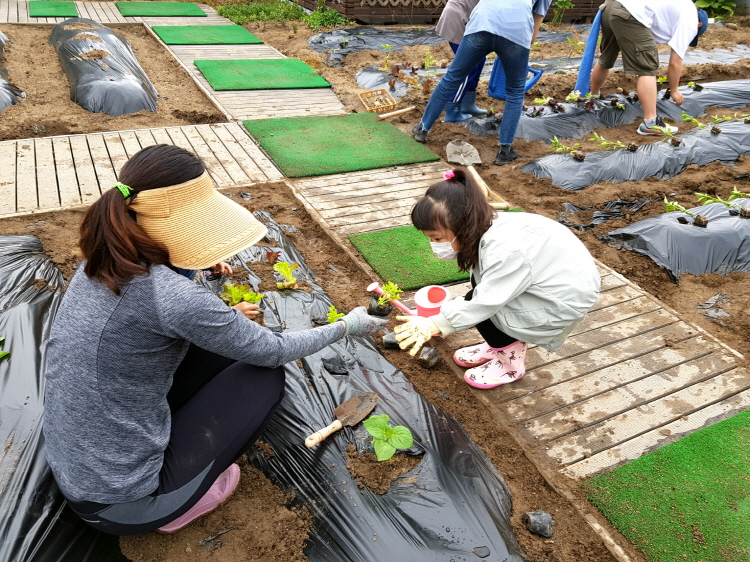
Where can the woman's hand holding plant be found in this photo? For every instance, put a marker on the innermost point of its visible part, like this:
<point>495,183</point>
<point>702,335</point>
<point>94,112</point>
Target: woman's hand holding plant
<point>221,268</point>
<point>415,331</point>
<point>249,309</point>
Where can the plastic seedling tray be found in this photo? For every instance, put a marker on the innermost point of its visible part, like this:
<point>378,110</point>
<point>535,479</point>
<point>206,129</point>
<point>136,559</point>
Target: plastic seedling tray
<point>378,101</point>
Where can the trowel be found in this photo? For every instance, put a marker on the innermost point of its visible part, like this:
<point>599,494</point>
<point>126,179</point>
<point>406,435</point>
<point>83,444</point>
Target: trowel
<point>349,413</point>
<point>464,154</point>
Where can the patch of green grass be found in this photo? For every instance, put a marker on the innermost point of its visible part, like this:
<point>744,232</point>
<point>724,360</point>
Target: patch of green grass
<point>688,501</point>
<point>278,10</point>
<point>403,256</point>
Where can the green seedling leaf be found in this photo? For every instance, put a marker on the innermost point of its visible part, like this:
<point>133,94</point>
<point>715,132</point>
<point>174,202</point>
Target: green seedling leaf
<point>287,270</point>
<point>736,194</point>
<point>385,438</point>
<point>235,294</point>
<point>333,314</point>
<point>541,101</point>
<point>675,206</point>
<point>391,292</point>
<point>4,354</point>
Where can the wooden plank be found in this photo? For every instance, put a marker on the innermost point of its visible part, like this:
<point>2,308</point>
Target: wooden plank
<point>88,182</point>
<point>372,212</point>
<point>67,180</point>
<point>615,296</point>
<point>26,196</point>
<point>116,151</point>
<point>347,187</point>
<point>395,172</point>
<point>8,177</point>
<point>611,282</point>
<point>355,204</point>
<point>374,225</point>
<point>598,318</point>
<point>145,138</point>
<point>190,53</point>
<point>248,165</point>
<point>83,9</point>
<point>12,11</point>
<point>95,12</point>
<point>213,165</point>
<point>666,379</point>
<point>222,154</point>
<point>331,199</point>
<point>130,143</point>
<point>241,135</point>
<point>628,425</point>
<point>23,11</point>
<point>4,4</point>
<point>658,437</point>
<point>46,178</point>
<point>105,172</point>
<point>161,136</point>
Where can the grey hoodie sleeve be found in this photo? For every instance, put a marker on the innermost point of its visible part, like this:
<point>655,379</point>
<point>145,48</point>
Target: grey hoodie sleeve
<point>187,311</point>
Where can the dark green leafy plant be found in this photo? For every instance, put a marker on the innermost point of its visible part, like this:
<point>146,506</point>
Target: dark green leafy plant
<point>262,11</point>
<point>235,294</point>
<point>721,8</point>
<point>324,16</point>
<point>386,438</point>
<point>333,314</point>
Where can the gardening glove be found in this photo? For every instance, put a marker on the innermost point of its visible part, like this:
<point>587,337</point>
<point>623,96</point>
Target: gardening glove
<point>415,331</point>
<point>359,323</point>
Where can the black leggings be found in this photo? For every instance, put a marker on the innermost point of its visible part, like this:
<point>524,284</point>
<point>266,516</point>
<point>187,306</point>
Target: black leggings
<point>491,333</point>
<point>219,409</point>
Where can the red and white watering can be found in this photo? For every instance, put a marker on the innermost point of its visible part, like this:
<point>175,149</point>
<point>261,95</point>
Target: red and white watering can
<point>428,300</point>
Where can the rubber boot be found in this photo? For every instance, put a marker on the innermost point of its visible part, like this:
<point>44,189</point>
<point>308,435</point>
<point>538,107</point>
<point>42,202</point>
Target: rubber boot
<point>469,105</point>
<point>453,113</point>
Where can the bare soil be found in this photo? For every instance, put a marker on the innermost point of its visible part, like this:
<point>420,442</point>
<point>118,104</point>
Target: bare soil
<point>377,475</point>
<point>47,110</point>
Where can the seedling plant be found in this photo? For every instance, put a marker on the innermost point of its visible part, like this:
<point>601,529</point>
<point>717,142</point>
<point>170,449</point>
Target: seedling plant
<point>235,294</point>
<point>391,292</point>
<point>575,46</point>
<point>6,354</point>
<point>667,132</point>
<point>287,271</point>
<point>387,438</point>
<point>671,206</point>
<point>695,87</point>
<point>690,119</point>
<point>334,314</point>
<point>705,199</point>
<point>557,146</point>
<point>386,58</point>
<point>558,9</point>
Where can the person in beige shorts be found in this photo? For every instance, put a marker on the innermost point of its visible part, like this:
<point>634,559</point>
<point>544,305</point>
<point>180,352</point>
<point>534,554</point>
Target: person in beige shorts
<point>633,28</point>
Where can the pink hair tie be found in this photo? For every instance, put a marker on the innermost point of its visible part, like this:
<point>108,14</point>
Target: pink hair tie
<point>449,175</point>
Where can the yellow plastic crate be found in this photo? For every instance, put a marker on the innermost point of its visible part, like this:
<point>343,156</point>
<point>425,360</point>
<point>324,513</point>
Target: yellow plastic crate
<point>378,101</point>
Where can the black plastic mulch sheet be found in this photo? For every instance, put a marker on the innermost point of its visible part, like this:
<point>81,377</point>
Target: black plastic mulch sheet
<point>659,159</point>
<point>338,43</point>
<point>673,242</point>
<point>612,210</point>
<point>453,506</point>
<point>104,74</point>
<point>35,525</point>
<point>581,118</point>
<point>9,93</point>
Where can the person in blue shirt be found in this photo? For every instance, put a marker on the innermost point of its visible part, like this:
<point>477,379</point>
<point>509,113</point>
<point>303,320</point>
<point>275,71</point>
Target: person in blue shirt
<point>507,28</point>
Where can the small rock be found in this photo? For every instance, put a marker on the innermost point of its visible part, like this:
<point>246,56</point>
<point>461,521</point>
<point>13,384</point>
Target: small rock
<point>539,523</point>
<point>389,341</point>
<point>429,357</point>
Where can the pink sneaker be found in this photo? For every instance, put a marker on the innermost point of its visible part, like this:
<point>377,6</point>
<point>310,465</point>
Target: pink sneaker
<point>217,494</point>
<point>474,355</point>
<point>510,366</point>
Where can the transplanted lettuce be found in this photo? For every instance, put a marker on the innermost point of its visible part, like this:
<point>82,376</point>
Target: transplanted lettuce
<point>235,294</point>
<point>287,270</point>
<point>334,314</point>
<point>386,438</point>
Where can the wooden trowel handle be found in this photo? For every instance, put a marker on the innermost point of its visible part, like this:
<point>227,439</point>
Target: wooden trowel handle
<point>321,434</point>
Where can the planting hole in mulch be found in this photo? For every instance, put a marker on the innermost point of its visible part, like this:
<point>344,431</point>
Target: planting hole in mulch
<point>48,110</point>
<point>378,475</point>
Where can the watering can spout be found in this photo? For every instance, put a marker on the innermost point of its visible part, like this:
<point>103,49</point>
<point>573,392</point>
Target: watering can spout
<point>375,288</point>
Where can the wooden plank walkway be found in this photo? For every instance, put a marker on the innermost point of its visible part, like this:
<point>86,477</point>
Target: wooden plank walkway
<point>17,11</point>
<point>61,172</point>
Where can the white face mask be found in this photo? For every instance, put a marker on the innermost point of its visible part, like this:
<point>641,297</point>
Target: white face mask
<point>444,250</point>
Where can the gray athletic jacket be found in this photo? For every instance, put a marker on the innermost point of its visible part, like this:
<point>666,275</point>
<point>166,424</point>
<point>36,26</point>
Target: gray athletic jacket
<point>110,364</point>
<point>535,282</point>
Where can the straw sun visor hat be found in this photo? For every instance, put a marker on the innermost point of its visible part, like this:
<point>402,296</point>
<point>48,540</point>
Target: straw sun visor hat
<point>199,226</point>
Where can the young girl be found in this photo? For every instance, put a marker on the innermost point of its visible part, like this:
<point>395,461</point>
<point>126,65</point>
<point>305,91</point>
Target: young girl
<point>532,280</point>
<point>153,385</point>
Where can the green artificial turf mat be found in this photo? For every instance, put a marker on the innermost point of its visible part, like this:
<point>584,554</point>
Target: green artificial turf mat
<point>52,9</point>
<point>205,35</point>
<point>156,9</point>
<point>264,74</point>
<point>317,146</point>
<point>688,501</point>
<point>403,256</point>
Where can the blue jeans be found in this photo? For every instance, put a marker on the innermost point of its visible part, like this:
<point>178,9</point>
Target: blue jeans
<point>473,47</point>
<point>471,81</point>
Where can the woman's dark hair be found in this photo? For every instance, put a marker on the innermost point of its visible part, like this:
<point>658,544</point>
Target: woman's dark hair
<point>456,204</point>
<point>115,247</point>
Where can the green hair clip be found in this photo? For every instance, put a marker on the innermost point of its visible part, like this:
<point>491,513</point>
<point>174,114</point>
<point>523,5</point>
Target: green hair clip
<point>124,189</point>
